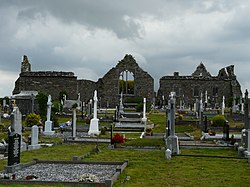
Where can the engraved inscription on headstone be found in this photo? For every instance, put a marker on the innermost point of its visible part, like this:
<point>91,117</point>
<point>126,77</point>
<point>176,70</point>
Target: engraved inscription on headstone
<point>14,149</point>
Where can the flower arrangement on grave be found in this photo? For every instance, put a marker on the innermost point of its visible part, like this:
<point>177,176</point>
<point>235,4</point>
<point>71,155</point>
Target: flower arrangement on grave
<point>118,138</point>
<point>88,177</point>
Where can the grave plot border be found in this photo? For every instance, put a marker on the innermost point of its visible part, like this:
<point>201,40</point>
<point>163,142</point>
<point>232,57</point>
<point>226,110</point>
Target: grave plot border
<point>108,182</point>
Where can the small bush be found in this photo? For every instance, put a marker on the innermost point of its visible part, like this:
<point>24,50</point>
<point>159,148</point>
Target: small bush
<point>180,117</point>
<point>218,121</point>
<point>32,119</point>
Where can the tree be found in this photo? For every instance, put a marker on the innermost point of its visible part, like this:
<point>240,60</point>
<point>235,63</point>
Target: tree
<point>61,95</point>
<point>42,99</point>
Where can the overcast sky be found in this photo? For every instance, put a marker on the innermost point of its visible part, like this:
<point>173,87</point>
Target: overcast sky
<point>89,37</point>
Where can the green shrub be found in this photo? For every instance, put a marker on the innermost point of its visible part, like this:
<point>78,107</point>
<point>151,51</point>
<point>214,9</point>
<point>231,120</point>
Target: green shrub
<point>218,120</point>
<point>32,119</point>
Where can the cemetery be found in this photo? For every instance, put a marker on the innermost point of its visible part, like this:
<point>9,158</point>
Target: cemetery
<point>127,137</point>
<point>94,147</point>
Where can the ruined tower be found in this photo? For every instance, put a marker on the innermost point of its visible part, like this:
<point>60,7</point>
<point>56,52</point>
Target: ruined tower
<point>26,66</point>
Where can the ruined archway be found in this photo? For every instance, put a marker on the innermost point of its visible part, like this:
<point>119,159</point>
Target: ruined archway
<point>126,82</point>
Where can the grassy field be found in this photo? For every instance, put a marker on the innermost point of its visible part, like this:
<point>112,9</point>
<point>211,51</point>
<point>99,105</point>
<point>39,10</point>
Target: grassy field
<point>150,168</point>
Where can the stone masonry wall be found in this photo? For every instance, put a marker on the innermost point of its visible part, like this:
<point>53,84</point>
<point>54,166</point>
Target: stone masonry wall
<point>187,87</point>
<point>48,82</point>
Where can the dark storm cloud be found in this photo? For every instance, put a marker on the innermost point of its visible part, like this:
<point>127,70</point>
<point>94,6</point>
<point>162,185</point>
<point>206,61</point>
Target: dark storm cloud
<point>90,37</point>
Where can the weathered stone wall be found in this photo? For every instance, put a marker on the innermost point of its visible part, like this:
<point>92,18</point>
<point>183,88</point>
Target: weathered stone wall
<point>48,82</point>
<point>86,89</point>
<point>109,84</point>
<point>107,87</point>
<point>225,84</point>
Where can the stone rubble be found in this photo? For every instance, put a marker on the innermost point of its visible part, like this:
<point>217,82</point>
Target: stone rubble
<point>65,172</point>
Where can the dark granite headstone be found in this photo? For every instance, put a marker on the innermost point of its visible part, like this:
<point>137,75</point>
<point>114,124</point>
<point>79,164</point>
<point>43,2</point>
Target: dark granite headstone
<point>14,149</point>
<point>226,131</point>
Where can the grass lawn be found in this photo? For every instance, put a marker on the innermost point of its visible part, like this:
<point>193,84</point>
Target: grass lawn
<point>150,168</point>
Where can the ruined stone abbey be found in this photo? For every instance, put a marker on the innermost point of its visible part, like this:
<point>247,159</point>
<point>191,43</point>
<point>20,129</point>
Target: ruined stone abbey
<point>128,78</point>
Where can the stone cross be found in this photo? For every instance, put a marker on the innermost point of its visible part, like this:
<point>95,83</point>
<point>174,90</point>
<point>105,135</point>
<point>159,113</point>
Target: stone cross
<point>144,119</point>
<point>49,103</point>
<point>94,123</point>
<point>223,105</point>
<point>206,96</point>
<point>172,140</point>
<point>48,123</point>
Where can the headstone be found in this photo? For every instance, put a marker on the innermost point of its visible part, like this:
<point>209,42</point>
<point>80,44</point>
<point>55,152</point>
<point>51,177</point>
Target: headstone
<point>172,140</point>
<point>16,125</point>
<point>14,149</point>
<point>34,138</point>
<point>48,123</point>
<point>74,124</point>
<point>16,120</point>
<point>144,119</point>
<point>94,123</point>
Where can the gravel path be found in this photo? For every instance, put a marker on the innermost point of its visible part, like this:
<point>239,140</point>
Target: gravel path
<point>66,172</point>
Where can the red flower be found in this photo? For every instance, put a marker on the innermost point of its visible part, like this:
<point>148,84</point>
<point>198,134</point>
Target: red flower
<point>118,138</point>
